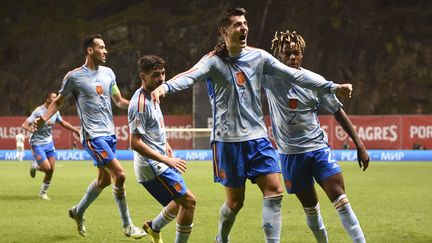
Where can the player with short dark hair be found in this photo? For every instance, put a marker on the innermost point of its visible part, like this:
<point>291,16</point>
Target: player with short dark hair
<point>93,86</point>
<point>241,148</point>
<point>303,147</point>
<point>155,167</point>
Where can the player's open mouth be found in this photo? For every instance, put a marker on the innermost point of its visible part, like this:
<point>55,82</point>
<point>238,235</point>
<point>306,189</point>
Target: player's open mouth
<point>242,37</point>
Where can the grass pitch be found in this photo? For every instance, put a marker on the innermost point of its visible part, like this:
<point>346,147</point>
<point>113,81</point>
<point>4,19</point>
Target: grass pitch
<point>393,202</point>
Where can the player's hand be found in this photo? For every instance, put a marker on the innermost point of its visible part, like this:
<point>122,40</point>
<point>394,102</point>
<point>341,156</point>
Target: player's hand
<point>220,49</point>
<point>177,164</point>
<point>344,90</point>
<point>37,123</point>
<point>363,158</point>
<point>157,93</point>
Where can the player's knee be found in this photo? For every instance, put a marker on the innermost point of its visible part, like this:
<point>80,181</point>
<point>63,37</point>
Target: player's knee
<point>189,202</point>
<point>120,178</point>
<point>235,205</point>
<point>49,171</point>
<point>104,182</point>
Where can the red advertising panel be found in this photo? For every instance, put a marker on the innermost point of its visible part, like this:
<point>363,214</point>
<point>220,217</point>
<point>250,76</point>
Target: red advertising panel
<point>64,139</point>
<point>377,132</point>
<point>417,132</point>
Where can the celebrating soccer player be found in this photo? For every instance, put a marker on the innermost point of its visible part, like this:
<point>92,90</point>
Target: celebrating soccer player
<point>93,86</point>
<point>303,147</point>
<point>154,165</point>
<point>241,148</point>
<point>41,142</point>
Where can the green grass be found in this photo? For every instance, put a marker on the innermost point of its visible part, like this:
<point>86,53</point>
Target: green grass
<point>393,202</point>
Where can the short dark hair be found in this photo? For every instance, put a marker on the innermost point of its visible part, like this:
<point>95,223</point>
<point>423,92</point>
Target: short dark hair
<point>88,41</point>
<point>150,62</point>
<point>47,94</point>
<point>223,19</point>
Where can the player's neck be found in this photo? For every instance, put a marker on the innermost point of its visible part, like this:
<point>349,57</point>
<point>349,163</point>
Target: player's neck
<point>91,64</point>
<point>234,51</point>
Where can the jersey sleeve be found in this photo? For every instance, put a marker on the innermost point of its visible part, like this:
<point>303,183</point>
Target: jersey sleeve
<point>113,85</point>
<point>35,114</point>
<point>330,102</point>
<point>114,90</point>
<point>186,79</point>
<point>275,68</point>
<point>136,119</point>
<point>59,118</point>
<point>66,86</point>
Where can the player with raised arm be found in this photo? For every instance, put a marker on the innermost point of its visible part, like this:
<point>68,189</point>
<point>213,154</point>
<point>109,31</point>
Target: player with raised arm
<point>93,86</point>
<point>42,144</point>
<point>241,148</point>
<point>303,147</point>
<point>155,168</point>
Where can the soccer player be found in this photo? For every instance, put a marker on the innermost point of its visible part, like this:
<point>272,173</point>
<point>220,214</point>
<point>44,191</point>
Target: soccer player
<point>19,138</point>
<point>155,168</point>
<point>41,142</point>
<point>241,148</point>
<point>302,145</point>
<point>93,86</point>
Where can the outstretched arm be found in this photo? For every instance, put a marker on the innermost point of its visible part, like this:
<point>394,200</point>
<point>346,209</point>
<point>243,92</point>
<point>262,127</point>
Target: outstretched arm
<point>69,127</point>
<point>362,154</point>
<point>52,109</point>
<point>138,145</point>
<point>305,78</point>
<point>184,80</point>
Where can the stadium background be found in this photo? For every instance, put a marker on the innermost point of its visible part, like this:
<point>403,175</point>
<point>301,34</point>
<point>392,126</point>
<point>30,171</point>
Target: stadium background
<point>383,47</point>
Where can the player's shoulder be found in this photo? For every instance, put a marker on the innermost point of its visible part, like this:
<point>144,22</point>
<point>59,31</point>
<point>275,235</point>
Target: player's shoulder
<point>253,52</point>
<point>252,49</point>
<point>39,109</point>
<point>105,69</point>
<point>140,101</point>
<point>72,73</point>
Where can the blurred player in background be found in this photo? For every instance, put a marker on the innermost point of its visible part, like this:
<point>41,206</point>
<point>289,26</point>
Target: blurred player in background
<point>41,142</point>
<point>303,147</point>
<point>93,86</point>
<point>155,167</point>
<point>19,138</point>
<point>241,148</point>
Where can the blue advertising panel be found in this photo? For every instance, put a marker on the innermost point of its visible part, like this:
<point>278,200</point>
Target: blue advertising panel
<point>191,155</point>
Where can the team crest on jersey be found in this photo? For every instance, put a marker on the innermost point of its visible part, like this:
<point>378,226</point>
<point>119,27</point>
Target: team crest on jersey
<point>99,89</point>
<point>288,184</point>
<point>178,187</point>
<point>292,103</point>
<point>240,78</point>
<point>38,157</point>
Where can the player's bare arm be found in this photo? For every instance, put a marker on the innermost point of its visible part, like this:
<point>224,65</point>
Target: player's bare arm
<point>362,154</point>
<point>28,126</point>
<point>119,101</point>
<point>52,109</point>
<point>69,126</point>
<point>138,145</point>
<point>157,93</point>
